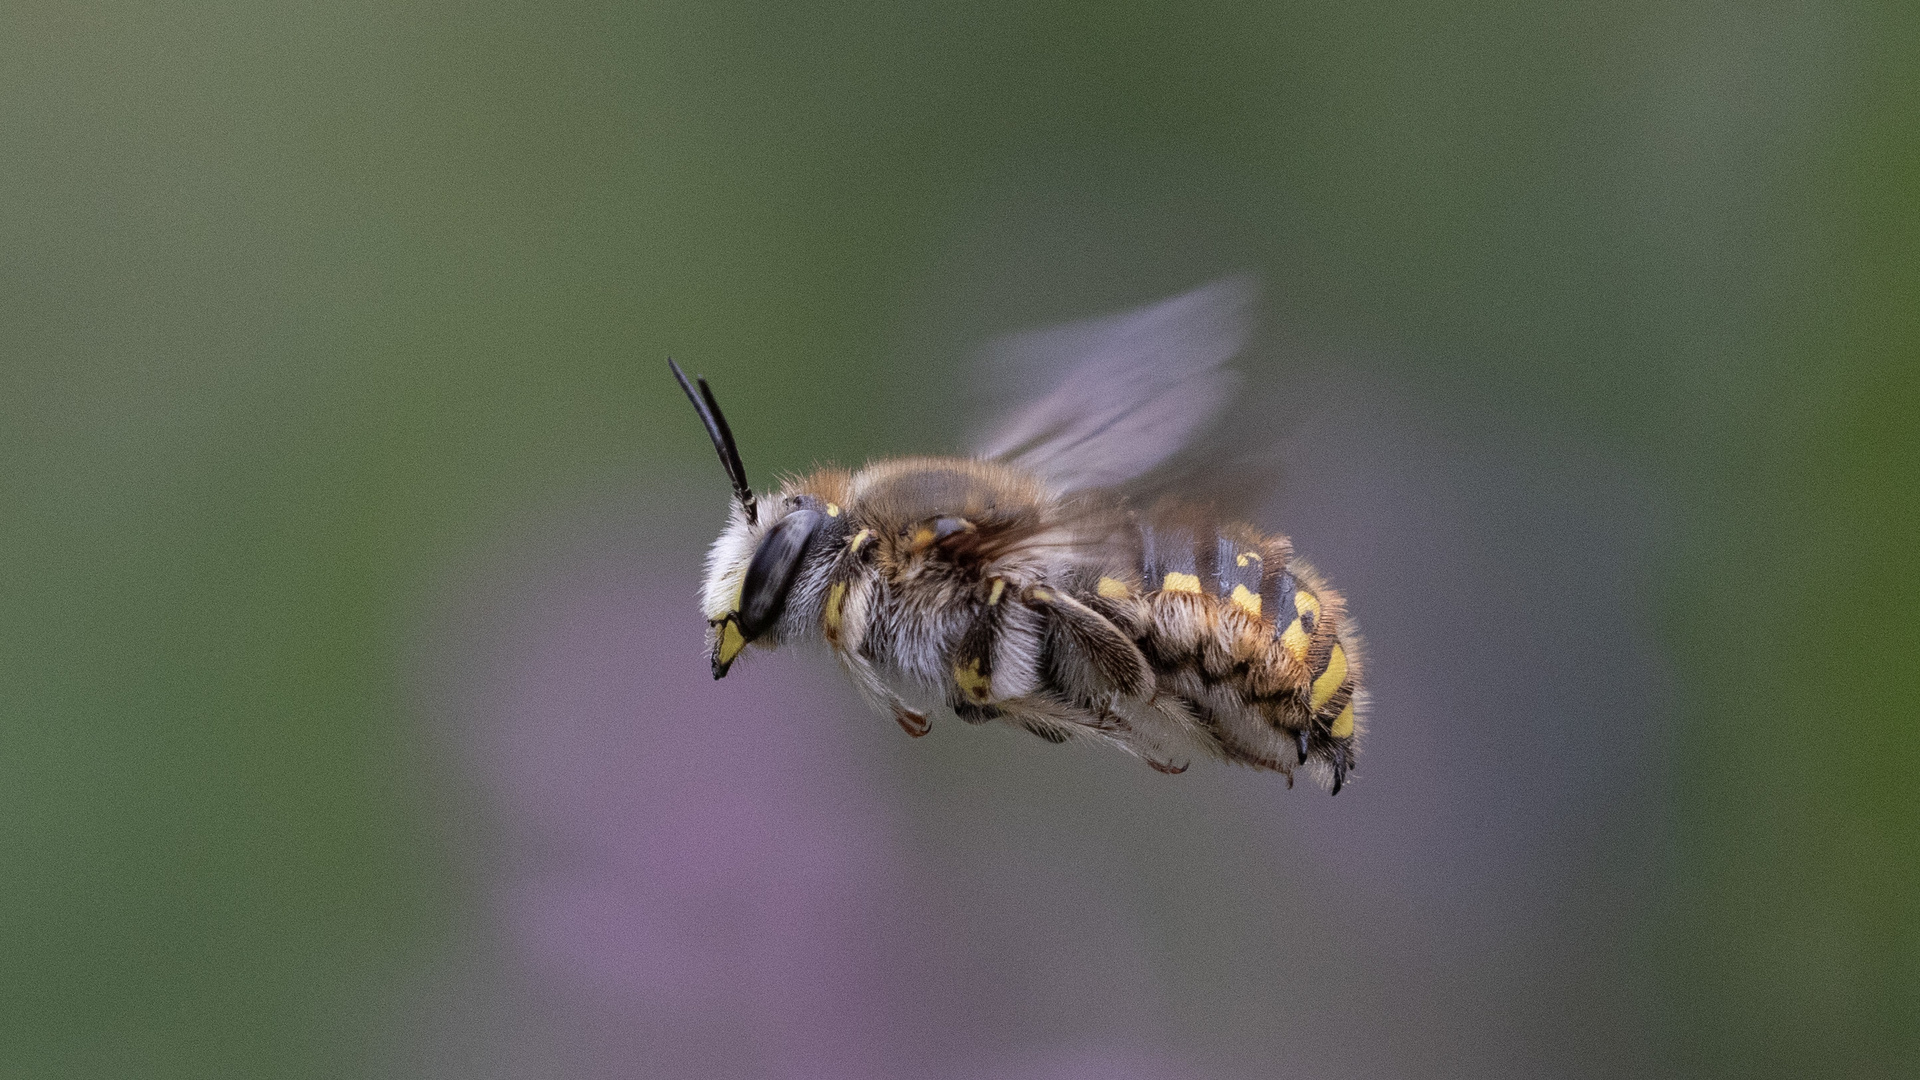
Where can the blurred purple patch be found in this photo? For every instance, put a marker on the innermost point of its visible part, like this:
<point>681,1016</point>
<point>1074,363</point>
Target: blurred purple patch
<point>693,853</point>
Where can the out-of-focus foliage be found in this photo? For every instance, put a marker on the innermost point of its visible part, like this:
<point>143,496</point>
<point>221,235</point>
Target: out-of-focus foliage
<point>298,302</point>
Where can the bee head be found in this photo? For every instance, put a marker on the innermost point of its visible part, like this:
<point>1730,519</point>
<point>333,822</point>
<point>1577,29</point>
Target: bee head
<point>768,567</point>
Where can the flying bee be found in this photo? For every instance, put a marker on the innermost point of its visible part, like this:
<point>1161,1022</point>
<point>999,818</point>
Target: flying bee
<point>1041,583</point>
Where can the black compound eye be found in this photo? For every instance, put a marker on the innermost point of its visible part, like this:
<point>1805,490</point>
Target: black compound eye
<point>763,596</point>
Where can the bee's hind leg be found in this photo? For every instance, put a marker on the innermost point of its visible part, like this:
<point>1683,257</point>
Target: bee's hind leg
<point>1059,721</point>
<point>1161,732</point>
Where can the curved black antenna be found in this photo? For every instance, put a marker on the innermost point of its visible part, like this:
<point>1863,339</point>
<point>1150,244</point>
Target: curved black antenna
<point>722,436</point>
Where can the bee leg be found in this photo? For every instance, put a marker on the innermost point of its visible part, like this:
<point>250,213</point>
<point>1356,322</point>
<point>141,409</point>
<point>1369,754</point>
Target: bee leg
<point>1109,722</point>
<point>1049,716</point>
<point>980,676</point>
<point>1051,735</point>
<point>1300,741</point>
<point>1339,766</point>
<point>875,690</point>
<point>916,724</point>
<point>976,714</point>
<point>1102,655</point>
<point>1201,714</point>
<point>1161,733</point>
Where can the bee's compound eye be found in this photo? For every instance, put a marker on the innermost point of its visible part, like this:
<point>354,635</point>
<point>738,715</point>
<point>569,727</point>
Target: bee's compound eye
<point>763,595</point>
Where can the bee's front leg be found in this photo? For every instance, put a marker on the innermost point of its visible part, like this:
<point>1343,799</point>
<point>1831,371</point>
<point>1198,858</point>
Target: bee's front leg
<point>845,627</point>
<point>875,690</point>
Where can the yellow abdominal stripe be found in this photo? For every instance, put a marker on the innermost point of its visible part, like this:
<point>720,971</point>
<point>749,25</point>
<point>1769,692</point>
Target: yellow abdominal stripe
<point>1343,724</point>
<point>1306,603</point>
<point>1294,637</point>
<point>1245,599</point>
<point>1178,582</point>
<point>731,641</point>
<point>1330,679</point>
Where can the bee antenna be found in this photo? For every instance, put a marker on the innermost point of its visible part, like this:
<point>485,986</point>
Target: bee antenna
<point>722,436</point>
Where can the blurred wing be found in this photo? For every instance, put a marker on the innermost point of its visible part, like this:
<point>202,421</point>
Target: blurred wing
<point>1123,393</point>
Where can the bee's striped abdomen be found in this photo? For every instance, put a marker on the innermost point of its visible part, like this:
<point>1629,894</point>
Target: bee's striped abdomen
<point>1173,559</point>
<point>1312,637</point>
<point>1243,575</point>
<point>1235,618</point>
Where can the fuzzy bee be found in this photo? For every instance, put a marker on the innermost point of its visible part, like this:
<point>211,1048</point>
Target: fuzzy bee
<point>1046,581</point>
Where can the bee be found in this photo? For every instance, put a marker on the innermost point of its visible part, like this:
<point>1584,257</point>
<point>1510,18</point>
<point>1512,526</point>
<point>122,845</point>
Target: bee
<point>1040,583</point>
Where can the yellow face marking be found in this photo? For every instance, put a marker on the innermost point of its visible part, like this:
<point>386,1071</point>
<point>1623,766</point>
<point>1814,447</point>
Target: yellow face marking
<point>999,586</point>
<point>922,537</point>
<point>833,509</point>
<point>731,642</point>
<point>1330,679</point>
<point>836,599</point>
<point>976,686</point>
<point>1043,596</point>
<point>1247,556</point>
<point>1306,603</point>
<point>859,539</point>
<point>1294,637</point>
<point>1343,724</point>
<point>1178,582</point>
<point>1113,588</point>
<point>1246,600</point>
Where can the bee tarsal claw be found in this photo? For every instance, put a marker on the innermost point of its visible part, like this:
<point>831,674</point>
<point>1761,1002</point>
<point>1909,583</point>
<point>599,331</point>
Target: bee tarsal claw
<point>913,723</point>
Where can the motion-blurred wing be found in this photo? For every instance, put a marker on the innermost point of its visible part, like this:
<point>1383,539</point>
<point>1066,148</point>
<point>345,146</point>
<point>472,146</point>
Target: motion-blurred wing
<point>1123,393</point>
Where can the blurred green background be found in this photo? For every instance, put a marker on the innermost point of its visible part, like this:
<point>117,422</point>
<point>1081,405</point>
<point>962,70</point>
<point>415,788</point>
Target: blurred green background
<point>298,300</point>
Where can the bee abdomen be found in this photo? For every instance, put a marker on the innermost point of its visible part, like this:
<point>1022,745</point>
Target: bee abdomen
<point>1228,609</point>
<point>1311,635</point>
